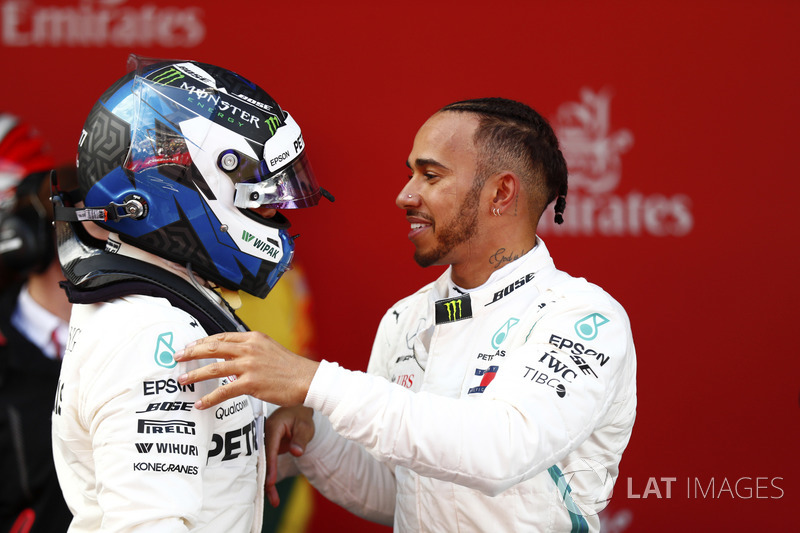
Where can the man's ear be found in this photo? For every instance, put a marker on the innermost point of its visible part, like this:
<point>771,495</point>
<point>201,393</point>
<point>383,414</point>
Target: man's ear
<point>505,188</point>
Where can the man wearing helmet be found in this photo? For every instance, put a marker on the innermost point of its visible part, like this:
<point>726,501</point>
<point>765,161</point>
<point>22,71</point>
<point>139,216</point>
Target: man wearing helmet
<point>174,164</point>
<point>501,396</point>
<point>34,313</point>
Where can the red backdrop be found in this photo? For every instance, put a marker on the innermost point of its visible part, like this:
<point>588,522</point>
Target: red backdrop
<point>679,123</point>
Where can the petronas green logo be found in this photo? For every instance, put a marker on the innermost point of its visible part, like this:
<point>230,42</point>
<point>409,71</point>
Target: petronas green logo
<point>587,327</point>
<point>165,351</point>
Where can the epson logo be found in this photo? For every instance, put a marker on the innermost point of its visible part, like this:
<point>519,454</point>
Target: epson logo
<point>160,427</point>
<point>165,385</point>
<point>279,158</point>
<point>576,348</point>
<point>101,24</point>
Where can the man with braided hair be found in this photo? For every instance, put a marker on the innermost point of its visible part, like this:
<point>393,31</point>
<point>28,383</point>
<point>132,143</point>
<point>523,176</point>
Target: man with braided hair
<point>501,396</point>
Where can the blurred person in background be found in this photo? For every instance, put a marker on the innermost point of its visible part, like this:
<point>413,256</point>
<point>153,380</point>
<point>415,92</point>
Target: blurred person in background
<point>34,315</point>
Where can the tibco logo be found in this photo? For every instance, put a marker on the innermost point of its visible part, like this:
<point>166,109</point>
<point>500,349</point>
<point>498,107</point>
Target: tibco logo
<point>100,23</point>
<point>594,159</point>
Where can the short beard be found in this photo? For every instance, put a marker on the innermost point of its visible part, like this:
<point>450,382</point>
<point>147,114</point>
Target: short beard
<point>457,231</point>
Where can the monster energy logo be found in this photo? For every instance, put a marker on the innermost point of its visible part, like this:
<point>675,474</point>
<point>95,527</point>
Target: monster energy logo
<point>453,310</point>
<point>273,123</point>
<point>168,76</point>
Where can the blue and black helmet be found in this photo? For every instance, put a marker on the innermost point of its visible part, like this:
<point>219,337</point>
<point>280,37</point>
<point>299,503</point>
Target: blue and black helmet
<point>177,153</point>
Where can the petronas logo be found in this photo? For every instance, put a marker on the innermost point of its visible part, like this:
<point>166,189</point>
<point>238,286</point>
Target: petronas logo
<point>587,327</point>
<point>164,351</point>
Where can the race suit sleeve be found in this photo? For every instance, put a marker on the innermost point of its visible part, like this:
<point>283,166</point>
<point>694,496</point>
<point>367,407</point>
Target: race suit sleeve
<point>346,473</point>
<point>149,445</point>
<point>518,427</point>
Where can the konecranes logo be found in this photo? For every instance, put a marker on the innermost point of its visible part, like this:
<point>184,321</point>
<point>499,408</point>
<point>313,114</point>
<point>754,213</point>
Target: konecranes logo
<point>101,23</point>
<point>594,153</point>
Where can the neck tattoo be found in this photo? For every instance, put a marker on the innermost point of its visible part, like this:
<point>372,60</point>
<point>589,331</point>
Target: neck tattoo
<point>502,257</point>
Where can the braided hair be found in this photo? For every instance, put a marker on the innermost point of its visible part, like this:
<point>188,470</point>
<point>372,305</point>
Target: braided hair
<point>512,135</point>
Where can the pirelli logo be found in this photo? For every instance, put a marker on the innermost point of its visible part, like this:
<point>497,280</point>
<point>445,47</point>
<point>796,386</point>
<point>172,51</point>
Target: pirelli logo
<point>453,309</point>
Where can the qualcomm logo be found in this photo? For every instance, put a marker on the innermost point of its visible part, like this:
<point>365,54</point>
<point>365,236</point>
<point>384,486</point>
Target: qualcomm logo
<point>594,158</point>
<point>100,23</point>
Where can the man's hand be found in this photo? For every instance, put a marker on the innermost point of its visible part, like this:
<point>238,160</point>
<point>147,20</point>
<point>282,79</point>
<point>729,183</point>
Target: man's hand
<point>288,429</point>
<point>257,364</point>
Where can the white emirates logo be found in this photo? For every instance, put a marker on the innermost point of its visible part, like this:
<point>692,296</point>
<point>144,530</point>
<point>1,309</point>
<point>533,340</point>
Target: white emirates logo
<point>100,23</point>
<point>594,154</point>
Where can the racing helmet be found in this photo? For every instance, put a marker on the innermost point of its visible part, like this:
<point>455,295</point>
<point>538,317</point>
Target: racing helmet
<point>174,155</point>
<point>26,238</point>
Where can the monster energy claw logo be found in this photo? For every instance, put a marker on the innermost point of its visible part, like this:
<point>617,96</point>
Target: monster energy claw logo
<point>273,123</point>
<point>453,310</point>
<point>168,76</point>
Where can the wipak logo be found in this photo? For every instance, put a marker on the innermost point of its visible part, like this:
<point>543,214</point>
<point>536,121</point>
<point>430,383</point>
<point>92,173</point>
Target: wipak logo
<point>264,246</point>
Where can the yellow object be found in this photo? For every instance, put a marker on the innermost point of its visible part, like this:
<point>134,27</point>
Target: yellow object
<point>285,316</point>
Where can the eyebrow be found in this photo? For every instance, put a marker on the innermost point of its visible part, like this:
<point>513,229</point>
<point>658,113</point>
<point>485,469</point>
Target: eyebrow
<point>426,162</point>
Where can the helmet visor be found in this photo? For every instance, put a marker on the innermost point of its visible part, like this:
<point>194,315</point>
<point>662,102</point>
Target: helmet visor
<point>292,187</point>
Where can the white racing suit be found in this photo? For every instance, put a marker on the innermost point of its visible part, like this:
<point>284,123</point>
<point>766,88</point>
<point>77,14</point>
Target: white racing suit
<point>131,452</point>
<point>504,409</point>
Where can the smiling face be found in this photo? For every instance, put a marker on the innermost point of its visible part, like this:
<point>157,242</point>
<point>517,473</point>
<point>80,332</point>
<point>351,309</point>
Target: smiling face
<point>443,204</point>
